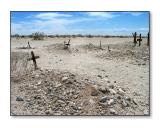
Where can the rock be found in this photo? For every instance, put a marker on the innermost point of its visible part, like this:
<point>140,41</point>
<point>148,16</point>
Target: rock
<point>60,101</point>
<point>37,97</point>
<point>58,85</point>
<point>146,112</point>
<point>75,96</point>
<point>76,108</point>
<point>103,104</point>
<point>111,86</point>
<point>99,76</point>
<point>102,89</point>
<point>39,83</point>
<point>106,79</point>
<point>125,104</point>
<point>119,97</point>
<point>111,102</point>
<point>120,91</point>
<point>112,111</point>
<point>112,91</point>
<point>127,98</point>
<point>103,99</point>
<point>64,79</point>
<point>48,112</point>
<point>94,91</point>
<point>19,98</point>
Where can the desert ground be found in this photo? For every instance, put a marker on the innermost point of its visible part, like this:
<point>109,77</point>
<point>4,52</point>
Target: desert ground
<point>81,80</point>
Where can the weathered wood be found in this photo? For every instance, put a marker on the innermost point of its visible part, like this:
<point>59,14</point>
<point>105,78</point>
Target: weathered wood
<point>139,40</point>
<point>134,38</point>
<point>36,57</point>
<point>33,58</point>
<point>100,45</point>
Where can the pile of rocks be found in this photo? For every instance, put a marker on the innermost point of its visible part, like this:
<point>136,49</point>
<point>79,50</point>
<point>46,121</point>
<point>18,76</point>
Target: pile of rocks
<point>48,92</point>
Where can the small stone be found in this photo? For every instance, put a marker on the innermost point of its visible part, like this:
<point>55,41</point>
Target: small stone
<point>58,85</point>
<point>37,97</point>
<point>19,98</point>
<point>103,104</point>
<point>112,91</point>
<point>127,98</point>
<point>106,79</point>
<point>103,89</point>
<point>103,99</point>
<point>94,91</point>
<point>39,83</point>
<point>99,76</point>
<point>111,86</point>
<point>124,104</point>
<point>75,96</point>
<point>146,112</point>
<point>112,111</point>
<point>120,91</point>
<point>64,79</point>
<point>111,102</point>
<point>60,101</point>
<point>48,112</point>
<point>119,97</point>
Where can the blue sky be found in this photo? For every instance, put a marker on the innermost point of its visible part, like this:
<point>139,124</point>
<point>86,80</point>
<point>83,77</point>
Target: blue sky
<point>96,23</point>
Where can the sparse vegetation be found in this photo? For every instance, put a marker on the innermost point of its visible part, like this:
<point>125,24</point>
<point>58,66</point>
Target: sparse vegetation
<point>38,36</point>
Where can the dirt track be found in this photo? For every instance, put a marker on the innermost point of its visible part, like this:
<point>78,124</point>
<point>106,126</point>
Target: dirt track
<point>125,66</point>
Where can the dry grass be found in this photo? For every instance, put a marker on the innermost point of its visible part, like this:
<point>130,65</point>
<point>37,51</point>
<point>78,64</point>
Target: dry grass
<point>19,63</point>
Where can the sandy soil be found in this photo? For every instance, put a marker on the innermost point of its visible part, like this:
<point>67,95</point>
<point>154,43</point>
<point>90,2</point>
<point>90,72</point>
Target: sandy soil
<point>124,64</point>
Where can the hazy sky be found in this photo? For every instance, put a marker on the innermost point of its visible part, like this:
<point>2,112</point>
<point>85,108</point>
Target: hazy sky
<point>106,23</point>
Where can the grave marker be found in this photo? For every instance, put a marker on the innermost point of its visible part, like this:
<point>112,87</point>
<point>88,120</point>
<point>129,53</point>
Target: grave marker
<point>33,57</point>
<point>139,40</point>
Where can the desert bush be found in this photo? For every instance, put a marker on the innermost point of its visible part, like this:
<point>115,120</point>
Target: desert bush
<point>38,35</point>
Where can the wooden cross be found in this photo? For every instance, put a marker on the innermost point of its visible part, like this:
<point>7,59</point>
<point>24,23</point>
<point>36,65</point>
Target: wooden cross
<point>139,40</point>
<point>33,57</point>
<point>134,36</point>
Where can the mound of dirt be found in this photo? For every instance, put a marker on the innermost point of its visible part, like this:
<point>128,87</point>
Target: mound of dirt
<point>135,55</point>
<point>50,92</point>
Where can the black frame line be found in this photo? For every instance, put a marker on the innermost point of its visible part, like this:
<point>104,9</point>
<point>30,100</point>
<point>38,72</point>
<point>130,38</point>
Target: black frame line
<point>92,116</point>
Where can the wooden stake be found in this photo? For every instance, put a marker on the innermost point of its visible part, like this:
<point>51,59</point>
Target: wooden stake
<point>33,57</point>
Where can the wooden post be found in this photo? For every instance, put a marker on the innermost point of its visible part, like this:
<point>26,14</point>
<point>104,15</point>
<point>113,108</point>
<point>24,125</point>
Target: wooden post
<point>28,45</point>
<point>108,48</point>
<point>140,39</point>
<point>100,46</point>
<point>148,39</point>
<point>134,38</point>
<point>33,57</point>
<point>66,45</point>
